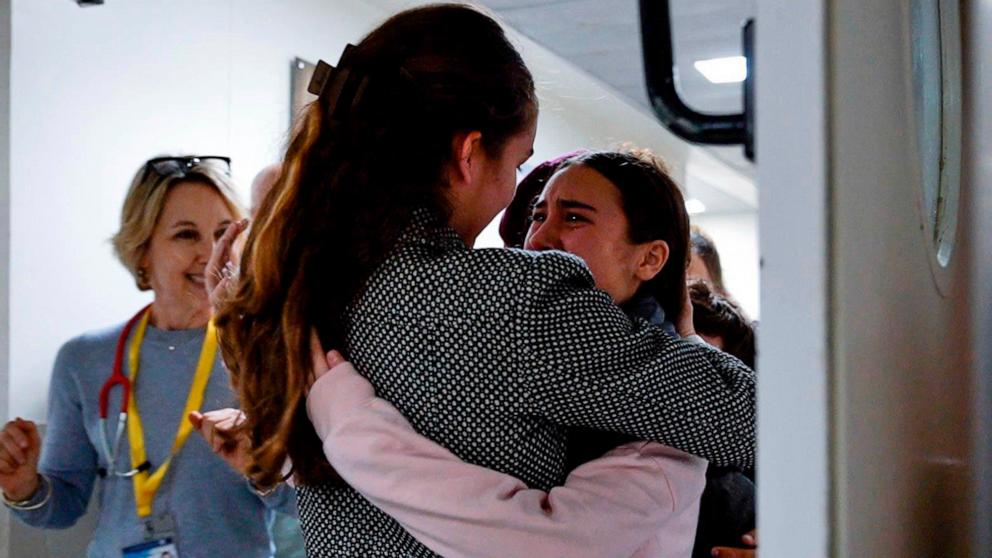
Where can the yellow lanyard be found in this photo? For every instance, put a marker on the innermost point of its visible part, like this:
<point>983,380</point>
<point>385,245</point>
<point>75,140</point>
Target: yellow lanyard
<point>146,484</point>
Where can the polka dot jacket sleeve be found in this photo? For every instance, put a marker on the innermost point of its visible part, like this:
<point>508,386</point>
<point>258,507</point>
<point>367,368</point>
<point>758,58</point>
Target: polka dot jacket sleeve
<point>585,363</point>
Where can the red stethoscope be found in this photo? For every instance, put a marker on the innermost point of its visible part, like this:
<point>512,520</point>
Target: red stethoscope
<point>117,378</point>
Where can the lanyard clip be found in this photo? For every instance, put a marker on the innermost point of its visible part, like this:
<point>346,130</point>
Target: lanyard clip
<point>145,466</point>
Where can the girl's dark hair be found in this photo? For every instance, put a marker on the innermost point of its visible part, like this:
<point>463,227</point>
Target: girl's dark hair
<point>655,210</point>
<point>715,315</point>
<point>351,179</point>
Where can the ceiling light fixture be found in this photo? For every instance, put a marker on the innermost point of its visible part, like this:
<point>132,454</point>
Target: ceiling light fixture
<point>694,206</point>
<point>730,69</point>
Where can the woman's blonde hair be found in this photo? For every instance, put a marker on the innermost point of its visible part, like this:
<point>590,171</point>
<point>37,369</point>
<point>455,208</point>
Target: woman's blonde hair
<point>146,199</point>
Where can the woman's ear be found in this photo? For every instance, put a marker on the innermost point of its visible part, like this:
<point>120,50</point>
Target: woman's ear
<point>142,270</point>
<point>465,149</point>
<point>653,257</point>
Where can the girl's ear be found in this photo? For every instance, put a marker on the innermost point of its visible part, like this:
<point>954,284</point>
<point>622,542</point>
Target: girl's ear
<point>465,149</point>
<point>654,255</point>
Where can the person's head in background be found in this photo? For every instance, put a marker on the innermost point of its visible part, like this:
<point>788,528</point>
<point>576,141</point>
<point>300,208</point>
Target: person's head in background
<point>516,219</point>
<point>704,263</point>
<point>424,122</point>
<point>262,184</point>
<point>721,322</point>
<point>623,214</point>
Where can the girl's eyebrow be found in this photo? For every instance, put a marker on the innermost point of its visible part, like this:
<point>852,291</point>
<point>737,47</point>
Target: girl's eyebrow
<point>575,204</point>
<point>564,203</point>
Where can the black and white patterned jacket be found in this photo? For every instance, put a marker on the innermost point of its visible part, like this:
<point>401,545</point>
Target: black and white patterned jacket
<point>494,353</point>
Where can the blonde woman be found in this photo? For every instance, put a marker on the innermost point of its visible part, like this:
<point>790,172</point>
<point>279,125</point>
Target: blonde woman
<point>119,396</point>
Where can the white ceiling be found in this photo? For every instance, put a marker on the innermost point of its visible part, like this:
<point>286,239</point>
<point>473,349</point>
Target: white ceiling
<point>603,38</point>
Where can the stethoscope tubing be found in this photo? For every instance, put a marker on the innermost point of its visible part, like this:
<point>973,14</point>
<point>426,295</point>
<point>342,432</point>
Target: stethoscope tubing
<point>117,378</point>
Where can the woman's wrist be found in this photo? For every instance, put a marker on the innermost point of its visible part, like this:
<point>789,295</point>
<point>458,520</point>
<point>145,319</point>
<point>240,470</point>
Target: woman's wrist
<point>20,499</point>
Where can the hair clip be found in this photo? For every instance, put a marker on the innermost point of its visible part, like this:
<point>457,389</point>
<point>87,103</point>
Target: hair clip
<point>320,78</point>
<point>331,84</point>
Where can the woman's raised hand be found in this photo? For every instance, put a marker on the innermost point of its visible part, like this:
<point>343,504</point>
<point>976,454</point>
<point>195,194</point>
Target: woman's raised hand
<point>221,269</point>
<point>221,430</point>
<point>20,447</point>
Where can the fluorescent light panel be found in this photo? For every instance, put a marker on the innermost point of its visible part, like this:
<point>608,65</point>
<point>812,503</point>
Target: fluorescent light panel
<point>730,69</point>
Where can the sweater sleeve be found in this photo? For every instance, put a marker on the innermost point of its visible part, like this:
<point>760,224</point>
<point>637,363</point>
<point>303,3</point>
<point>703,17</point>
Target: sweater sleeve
<point>585,363</point>
<point>608,507</point>
<point>68,459</point>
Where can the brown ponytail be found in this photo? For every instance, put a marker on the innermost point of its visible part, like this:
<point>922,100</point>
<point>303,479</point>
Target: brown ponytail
<point>348,187</point>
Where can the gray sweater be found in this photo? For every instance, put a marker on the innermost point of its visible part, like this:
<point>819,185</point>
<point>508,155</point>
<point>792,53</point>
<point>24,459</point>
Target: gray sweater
<point>215,511</point>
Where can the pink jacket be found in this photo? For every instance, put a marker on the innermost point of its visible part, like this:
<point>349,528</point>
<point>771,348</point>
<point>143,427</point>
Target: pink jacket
<point>641,499</point>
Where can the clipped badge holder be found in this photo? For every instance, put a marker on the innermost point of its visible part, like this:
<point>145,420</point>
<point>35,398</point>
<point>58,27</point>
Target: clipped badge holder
<point>160,539</point>
<point>159,548</point>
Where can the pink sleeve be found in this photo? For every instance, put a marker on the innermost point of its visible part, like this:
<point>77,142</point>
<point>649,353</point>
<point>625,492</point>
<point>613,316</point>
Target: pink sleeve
<point>608,507</point>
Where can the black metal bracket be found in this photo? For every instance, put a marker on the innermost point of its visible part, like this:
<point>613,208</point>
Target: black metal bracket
<point>748,38</point>
<point>659,71</point>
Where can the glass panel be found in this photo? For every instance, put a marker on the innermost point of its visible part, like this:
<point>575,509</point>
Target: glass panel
<point>927,90</point>
<point>936,51</point>
<point>950,157</point>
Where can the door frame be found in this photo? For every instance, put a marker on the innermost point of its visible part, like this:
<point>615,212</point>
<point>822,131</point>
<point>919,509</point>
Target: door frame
<point>794,488</point>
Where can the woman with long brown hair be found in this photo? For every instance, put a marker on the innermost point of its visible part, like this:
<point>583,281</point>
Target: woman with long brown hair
<point>409,152</point>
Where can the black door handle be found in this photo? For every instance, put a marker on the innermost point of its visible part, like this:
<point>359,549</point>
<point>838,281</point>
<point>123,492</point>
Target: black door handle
<point>659,72</point>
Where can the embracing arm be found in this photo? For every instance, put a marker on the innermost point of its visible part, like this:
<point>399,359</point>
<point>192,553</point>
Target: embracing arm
<point>586,364</point>
<point>607,507</point>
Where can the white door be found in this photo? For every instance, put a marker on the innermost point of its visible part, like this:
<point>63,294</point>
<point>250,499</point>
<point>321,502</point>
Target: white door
<point>874,380</point>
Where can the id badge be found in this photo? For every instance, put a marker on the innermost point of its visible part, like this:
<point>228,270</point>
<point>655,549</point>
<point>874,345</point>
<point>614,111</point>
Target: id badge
<point>160,539</point>
<point>160,526</point>
<point>159,548</point>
